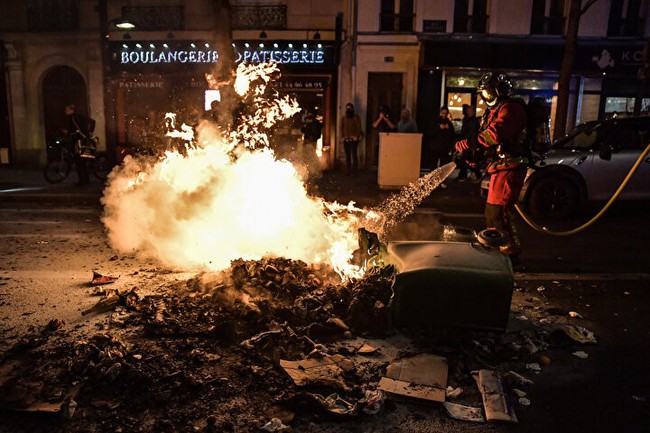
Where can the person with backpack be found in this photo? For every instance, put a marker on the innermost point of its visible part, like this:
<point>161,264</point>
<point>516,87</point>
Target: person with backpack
<point>503,137</point>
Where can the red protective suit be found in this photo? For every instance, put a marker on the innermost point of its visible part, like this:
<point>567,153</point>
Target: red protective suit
<point>503,132</point>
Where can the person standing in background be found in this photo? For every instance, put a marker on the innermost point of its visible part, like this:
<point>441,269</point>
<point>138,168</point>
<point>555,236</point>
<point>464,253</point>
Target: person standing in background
<point>351,133</point>
<point>441,140</point>
<point>406,123</point>
<point>469,131</point>
<point>383,123</point>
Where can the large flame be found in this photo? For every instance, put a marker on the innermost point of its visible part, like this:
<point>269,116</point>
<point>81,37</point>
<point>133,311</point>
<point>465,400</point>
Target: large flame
<point>203,208</point>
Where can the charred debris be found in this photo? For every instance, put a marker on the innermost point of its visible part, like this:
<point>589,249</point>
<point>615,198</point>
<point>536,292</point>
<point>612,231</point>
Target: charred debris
<point>269,345</point>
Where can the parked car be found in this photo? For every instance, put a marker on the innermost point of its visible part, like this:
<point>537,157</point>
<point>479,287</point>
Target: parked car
<point>589,164</point>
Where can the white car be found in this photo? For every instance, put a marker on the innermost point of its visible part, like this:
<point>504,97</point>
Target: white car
<point>589,164</point>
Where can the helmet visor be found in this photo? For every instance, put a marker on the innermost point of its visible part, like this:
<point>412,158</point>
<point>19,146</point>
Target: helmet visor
<point>488,94</point>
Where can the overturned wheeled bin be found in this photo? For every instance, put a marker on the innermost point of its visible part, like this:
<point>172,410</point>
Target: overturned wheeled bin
<point>450,284</point>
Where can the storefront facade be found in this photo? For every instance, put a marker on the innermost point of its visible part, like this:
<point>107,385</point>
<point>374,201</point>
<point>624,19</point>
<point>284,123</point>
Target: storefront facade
<point>152,78</point>
<point>604,78</point>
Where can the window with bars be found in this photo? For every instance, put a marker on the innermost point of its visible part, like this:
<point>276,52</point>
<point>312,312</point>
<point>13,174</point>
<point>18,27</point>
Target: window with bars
<point>547,17</point>
<point>624,18</point>
<point>396,16</point>
<point>470,16</point>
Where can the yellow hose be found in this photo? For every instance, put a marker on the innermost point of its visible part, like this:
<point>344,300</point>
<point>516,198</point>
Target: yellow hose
<point>539,228</point>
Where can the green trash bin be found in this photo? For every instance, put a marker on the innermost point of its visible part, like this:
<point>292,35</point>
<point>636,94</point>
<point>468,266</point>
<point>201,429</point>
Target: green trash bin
<point>450,284</point>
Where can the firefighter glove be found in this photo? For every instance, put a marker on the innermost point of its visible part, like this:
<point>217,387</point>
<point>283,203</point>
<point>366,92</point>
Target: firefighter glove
<point>462,146</point>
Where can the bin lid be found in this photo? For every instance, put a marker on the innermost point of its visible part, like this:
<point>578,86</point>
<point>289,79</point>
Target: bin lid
<point>411,256</point>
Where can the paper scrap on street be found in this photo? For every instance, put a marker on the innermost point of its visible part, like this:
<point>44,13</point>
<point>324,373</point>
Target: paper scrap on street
<point>327,370</point>
<point>579,334</point>
<point>464,413</point>
<point>494,398</point>
<point>423,376</point>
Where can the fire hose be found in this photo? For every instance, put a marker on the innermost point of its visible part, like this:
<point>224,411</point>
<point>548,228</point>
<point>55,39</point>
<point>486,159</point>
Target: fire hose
<point>596,217</point>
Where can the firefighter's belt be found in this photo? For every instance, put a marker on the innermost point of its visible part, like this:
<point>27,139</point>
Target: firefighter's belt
<point>508,163</point>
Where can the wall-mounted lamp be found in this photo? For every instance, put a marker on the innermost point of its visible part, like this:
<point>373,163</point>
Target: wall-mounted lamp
<point>262,34</point>
<point>124,24</point>
<point>317,35</point>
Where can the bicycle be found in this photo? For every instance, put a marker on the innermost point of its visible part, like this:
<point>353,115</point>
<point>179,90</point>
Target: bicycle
<point>61,157</point>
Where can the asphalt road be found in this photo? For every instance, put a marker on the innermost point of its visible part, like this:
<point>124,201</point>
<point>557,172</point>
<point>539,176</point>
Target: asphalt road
<point>49,252</point>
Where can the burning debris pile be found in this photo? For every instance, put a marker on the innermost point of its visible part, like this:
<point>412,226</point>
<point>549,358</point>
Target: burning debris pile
<point>228,196</point>
<point>274,342</point>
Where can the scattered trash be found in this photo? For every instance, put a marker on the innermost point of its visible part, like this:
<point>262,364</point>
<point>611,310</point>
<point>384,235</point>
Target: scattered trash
<point>69,406</point>
<point>540,289</point>
<point>516,378</point>
<point>275,425</point>
<point>367,349</point>
<point>519,393</point>
<point>454,392</point>
<point>524,401</point>
<point>338,323</point>
<point>373,401</point>
<point>627,293</point>
<point>463,413</point>
<point>544,360</point>
<point>534,367</point>
<point>581,354</point>
<point>575,314</point>
<point>579,334</point>
<point>321,371</point>
<point>423,376</point>
<point>494,398</point>
<point>334,403</point>
<point>105,304</point>
<point>99,279</point>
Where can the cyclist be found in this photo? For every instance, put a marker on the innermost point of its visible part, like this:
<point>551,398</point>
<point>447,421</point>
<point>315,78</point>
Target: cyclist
<point>79,127</point>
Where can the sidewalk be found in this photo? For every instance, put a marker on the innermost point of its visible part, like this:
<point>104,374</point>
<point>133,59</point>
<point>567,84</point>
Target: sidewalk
<point>19,185</point>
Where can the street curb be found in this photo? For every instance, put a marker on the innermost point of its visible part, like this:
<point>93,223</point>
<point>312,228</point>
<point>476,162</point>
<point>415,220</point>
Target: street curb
<point>631,276</point>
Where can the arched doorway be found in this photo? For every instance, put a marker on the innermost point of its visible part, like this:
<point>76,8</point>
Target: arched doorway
<point>62,85</point>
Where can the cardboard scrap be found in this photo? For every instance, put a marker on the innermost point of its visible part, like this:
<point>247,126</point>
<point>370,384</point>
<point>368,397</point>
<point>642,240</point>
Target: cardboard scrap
<point>463,413</point>
<point>423,376</point>
<point>494,398</point>
<point>321,371</point>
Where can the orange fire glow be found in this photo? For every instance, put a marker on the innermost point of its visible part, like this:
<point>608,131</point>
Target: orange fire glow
<point>202,208</point>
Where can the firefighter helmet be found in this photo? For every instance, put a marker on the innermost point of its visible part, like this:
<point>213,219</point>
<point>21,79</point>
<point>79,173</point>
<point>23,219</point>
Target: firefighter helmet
<point>494,85</point>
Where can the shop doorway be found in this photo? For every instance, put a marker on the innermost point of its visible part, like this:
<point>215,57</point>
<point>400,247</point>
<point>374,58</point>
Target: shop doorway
<point>62,85</point>
<point>384,90</point>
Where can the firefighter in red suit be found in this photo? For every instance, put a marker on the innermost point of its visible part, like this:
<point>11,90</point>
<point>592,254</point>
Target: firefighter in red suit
<point>502,135</point>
